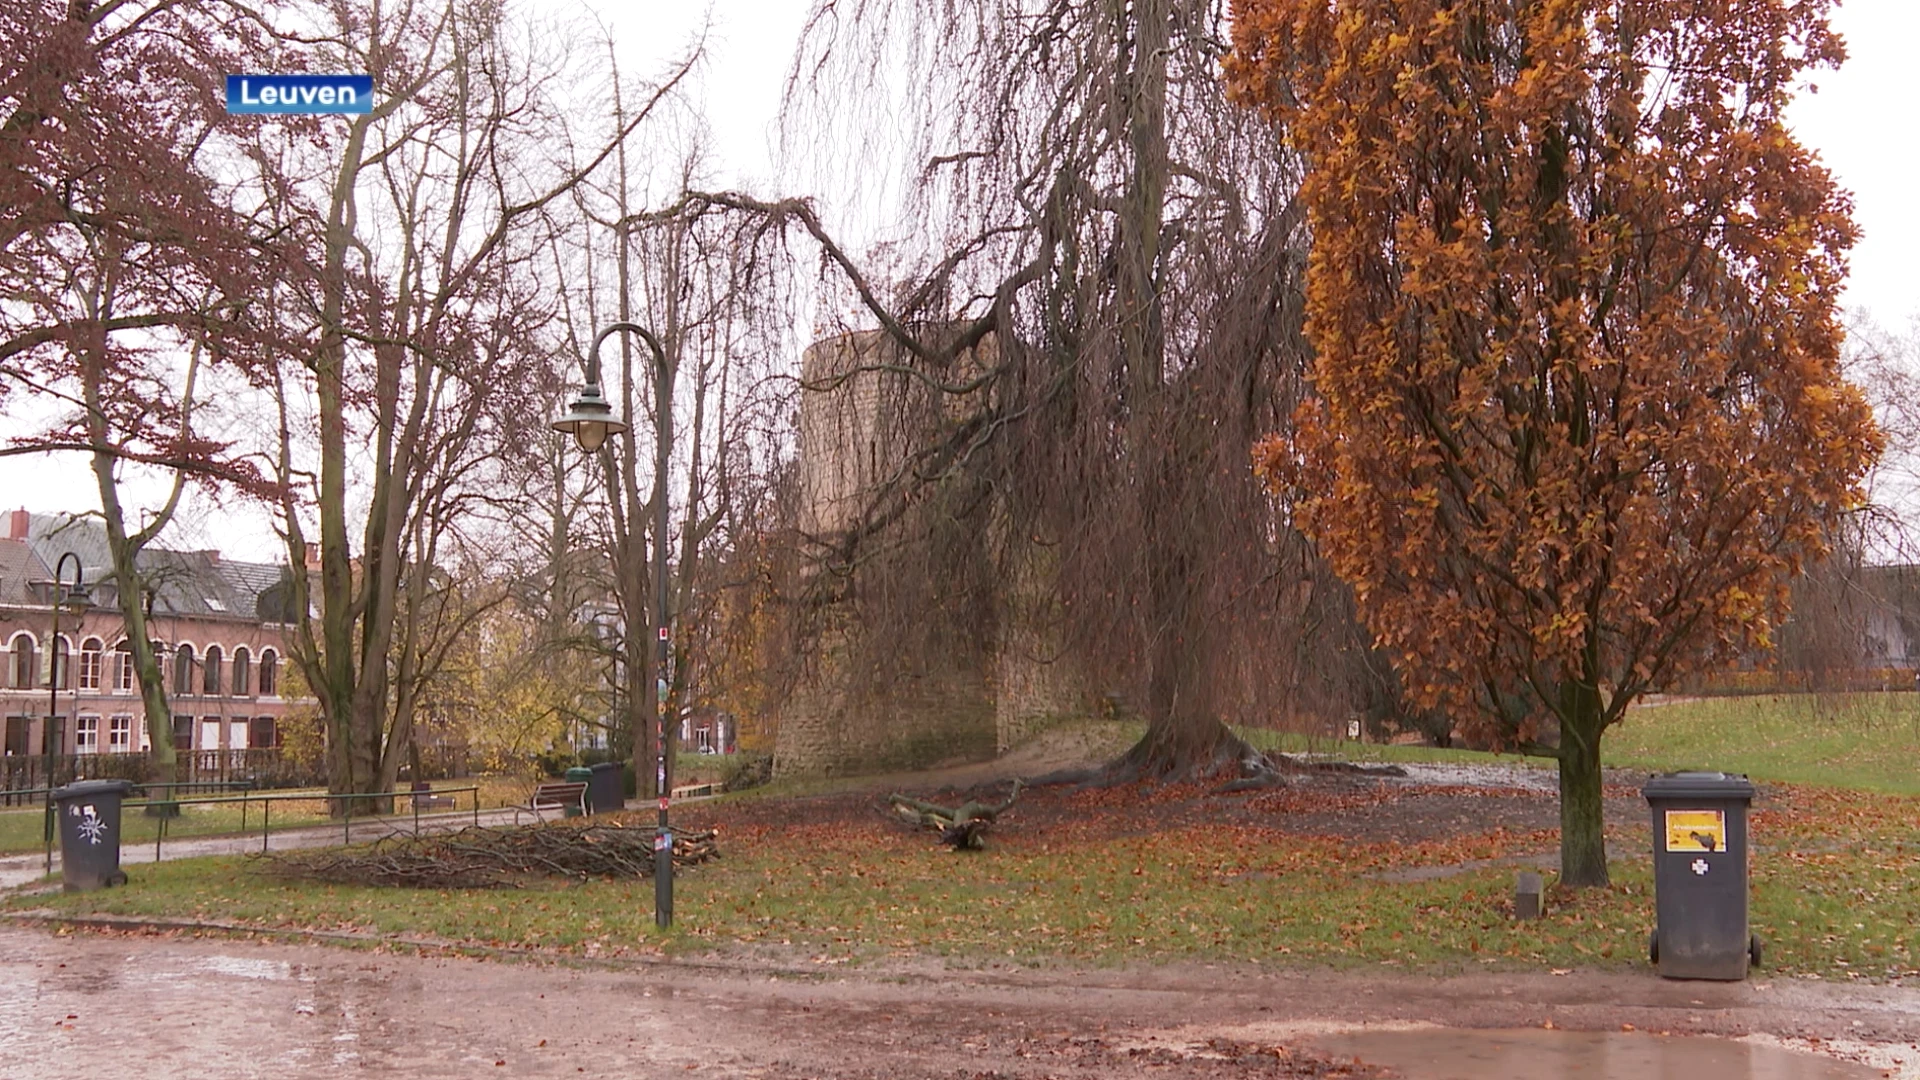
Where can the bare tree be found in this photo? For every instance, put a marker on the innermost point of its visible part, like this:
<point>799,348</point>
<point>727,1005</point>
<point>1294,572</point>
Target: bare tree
<point>428,364</point>
<point>1090,204</point>
<point>709,280</point>
<point>1825,641</point>
<point>130,271</point>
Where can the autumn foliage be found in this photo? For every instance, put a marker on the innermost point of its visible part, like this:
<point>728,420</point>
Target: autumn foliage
<point>1577,412</point>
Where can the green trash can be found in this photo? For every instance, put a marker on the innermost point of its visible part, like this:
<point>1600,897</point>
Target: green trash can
<point>89,813</point>
<point>577,775</point>
<point>1700,876</point>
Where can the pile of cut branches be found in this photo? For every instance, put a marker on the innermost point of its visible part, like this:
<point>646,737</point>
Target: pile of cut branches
<point>491,858</point>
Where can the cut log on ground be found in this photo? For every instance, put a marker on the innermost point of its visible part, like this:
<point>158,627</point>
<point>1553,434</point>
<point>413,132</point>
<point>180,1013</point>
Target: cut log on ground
<point>965,827</point>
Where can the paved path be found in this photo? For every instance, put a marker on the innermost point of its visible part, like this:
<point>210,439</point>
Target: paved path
<point>18,870</point>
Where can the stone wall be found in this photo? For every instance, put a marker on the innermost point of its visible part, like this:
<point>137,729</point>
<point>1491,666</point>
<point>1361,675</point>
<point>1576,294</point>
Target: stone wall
<point>904,711</point>
<point>1034,682</point>
<point>914,718</point>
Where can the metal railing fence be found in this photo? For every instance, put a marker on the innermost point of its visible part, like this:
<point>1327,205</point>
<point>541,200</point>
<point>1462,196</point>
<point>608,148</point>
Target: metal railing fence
<point>259,805</point>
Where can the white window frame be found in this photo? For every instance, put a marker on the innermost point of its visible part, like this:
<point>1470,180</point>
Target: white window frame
<point>120,734</point>
<point>86,733</point>
<point>92,660</point>
<point>23,668</point>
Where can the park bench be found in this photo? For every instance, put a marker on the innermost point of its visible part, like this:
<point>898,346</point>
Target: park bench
<point>555,795</point>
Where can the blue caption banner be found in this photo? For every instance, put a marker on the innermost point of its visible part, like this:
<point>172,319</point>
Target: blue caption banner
<point>299,93</point>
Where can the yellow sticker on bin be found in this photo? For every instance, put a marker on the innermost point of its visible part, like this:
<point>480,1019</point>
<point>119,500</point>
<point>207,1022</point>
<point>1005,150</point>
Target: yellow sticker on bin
<point>1696,830</point>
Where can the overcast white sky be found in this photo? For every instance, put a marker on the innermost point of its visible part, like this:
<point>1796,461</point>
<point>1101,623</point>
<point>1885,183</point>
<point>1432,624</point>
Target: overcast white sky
<point>1859,122</point>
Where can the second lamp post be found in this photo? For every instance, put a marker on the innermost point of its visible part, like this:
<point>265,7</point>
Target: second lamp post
<point>590,420</point>
<point>75,599</point>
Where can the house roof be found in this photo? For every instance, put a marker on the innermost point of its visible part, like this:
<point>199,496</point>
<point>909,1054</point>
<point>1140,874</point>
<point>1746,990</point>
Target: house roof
<point>185,583</point>
<point>19,568</point>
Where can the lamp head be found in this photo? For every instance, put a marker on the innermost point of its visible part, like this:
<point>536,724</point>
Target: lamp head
<point>77,600</point>
<point>590,420</point>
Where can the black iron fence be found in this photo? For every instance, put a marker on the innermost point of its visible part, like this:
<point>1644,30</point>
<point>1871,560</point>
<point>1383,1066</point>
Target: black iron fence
<point>260,769</point>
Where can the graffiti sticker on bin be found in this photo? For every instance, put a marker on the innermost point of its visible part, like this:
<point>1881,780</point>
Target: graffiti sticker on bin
<point>1696,830</point>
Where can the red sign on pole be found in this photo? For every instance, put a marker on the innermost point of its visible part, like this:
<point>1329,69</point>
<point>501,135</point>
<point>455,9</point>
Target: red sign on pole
<point>663,633</point>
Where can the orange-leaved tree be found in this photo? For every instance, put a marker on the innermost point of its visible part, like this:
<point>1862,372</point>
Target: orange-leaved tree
<point>1577,414</point>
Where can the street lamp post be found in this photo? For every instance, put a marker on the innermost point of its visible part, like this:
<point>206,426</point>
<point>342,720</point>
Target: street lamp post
<point>76,600</point>
<point>590,420</point>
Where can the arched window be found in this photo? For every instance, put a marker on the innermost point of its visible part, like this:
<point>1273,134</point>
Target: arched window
<point>92,660</point>
<point>183,670</point>
<point>60,665</point>
<point>211,682</point>
<point>24,666</point>
<point>269,673</point>
<point>123,666</point>
<point>242,672</point>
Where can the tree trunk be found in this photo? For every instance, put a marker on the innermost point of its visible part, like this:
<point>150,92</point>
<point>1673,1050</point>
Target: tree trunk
<point>124,551</point>
<point>1583,841</point>
<point>1183,736</point>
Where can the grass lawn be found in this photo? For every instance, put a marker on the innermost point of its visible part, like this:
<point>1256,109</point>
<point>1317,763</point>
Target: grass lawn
<point>1115,877</point>
<point>1864,741</point>
<point>1868,741</point>
<point>1836,894</point>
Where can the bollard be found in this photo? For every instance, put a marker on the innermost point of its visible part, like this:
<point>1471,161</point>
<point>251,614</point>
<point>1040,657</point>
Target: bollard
<point>1527,892</point>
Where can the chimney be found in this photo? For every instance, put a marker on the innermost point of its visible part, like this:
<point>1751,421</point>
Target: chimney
<point>19,523</point>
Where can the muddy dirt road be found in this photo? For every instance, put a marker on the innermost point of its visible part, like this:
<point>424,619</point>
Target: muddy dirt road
<point>92,1004</point>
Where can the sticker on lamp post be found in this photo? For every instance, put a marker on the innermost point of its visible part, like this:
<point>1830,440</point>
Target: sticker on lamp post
<point>266,94</point>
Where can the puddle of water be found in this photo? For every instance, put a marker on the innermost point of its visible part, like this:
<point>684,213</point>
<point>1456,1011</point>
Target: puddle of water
<point>247,967</point>
<point>1453,1054</point>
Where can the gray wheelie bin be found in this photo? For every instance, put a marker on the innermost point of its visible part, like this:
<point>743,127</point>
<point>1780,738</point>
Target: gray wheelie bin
<point>1700,875</point>
<point>89,813</point>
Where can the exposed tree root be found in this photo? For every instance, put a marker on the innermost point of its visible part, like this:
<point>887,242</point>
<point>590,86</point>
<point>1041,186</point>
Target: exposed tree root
<point>1221,756</point>
<point>1212,753</point>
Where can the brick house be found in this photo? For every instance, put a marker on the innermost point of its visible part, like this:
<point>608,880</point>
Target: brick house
<point>222,644</point>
